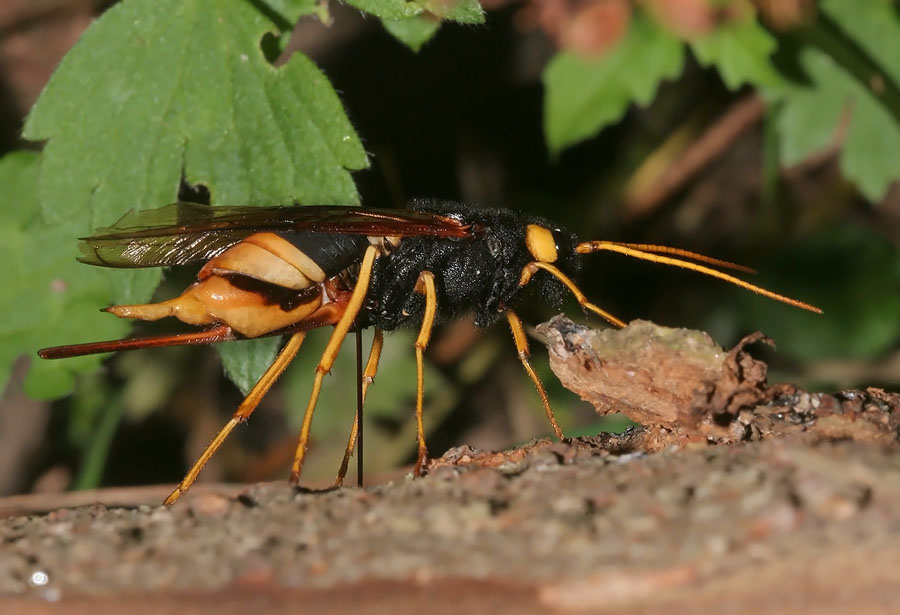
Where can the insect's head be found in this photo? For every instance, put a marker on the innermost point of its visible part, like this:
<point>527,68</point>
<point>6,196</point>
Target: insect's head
<point>553,248</point>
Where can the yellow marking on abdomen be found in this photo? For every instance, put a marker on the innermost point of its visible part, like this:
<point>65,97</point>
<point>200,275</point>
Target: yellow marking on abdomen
<point>285,250</point>
<point>217,300</point>
<point>256,262</point>
<point>246,311</point>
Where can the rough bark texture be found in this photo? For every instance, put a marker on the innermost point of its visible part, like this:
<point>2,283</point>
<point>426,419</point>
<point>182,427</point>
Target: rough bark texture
<point>683,388</point>
<point>734,496</point>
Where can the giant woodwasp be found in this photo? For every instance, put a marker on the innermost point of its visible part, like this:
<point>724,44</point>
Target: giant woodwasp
<point>286,270</point>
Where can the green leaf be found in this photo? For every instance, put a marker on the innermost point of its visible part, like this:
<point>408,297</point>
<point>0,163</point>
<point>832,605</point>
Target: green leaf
<point>414,32</point>
<point>811,114</point>
<point>808,119</point>
<point>413,23</point>
<point>741,52</point>
<point>388,9</point>
<point>182,88</point>
<point>286,13</point>
<point>460,11</point>
<point>874,26</point>
<point>48,297</point>
<point>846,61</point>
<point>18,178</point>
<point>246,360</point>
<point>871,149</point>
<point>583,95</point>
<point>291,10</point>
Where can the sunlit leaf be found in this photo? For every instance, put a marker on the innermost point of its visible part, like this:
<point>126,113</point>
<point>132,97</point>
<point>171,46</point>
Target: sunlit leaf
<point>181,88</point>
<point>812,112</point>
<point>461,11</point>
<point>741,52</point>
<point>582,95</point>
<point>388,9</point>
<point>291,10</point>
<point>48,298</point>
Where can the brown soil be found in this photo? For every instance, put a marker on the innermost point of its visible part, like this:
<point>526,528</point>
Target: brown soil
<point>735,497</point>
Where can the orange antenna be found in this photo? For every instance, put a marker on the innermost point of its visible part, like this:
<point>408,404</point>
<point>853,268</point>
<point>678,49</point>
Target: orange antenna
<point>709,260</point>
<point>655,254</point>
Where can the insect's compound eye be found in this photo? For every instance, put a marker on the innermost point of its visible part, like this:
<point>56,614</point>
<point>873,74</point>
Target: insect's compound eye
<point>558,239</point>
<point>563,241</point>
<point>493,245</point>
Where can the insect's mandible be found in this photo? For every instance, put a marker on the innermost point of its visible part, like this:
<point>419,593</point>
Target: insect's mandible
<point>286,270</point>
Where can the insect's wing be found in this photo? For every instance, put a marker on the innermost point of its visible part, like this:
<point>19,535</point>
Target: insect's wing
<point>176,234</point>
<point>187,232</point>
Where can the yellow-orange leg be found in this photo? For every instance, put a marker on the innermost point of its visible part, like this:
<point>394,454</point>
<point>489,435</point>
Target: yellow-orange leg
<point>246,408</point>
<point>331,351</point>
<point>367,379</point>
<point>518,333</point>
<point>531,268</point>
<point>424,285</point>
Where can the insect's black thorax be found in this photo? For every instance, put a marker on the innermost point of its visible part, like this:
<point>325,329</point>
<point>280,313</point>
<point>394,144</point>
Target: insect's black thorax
<point>478,274</point>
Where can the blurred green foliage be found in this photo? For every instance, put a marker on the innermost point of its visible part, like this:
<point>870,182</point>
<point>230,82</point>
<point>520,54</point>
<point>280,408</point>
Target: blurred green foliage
<point>160,92</point>
<point>848,58</point>
<point>585,94</point>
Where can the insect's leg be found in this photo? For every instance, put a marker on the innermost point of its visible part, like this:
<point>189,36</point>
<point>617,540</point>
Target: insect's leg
<point>243,412</point>
<point>330,354</point>
<point>531,268</point>
<point>424,285</point>
<point>518,333</point>
<point>367,379</point>
<point>360,407</point>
